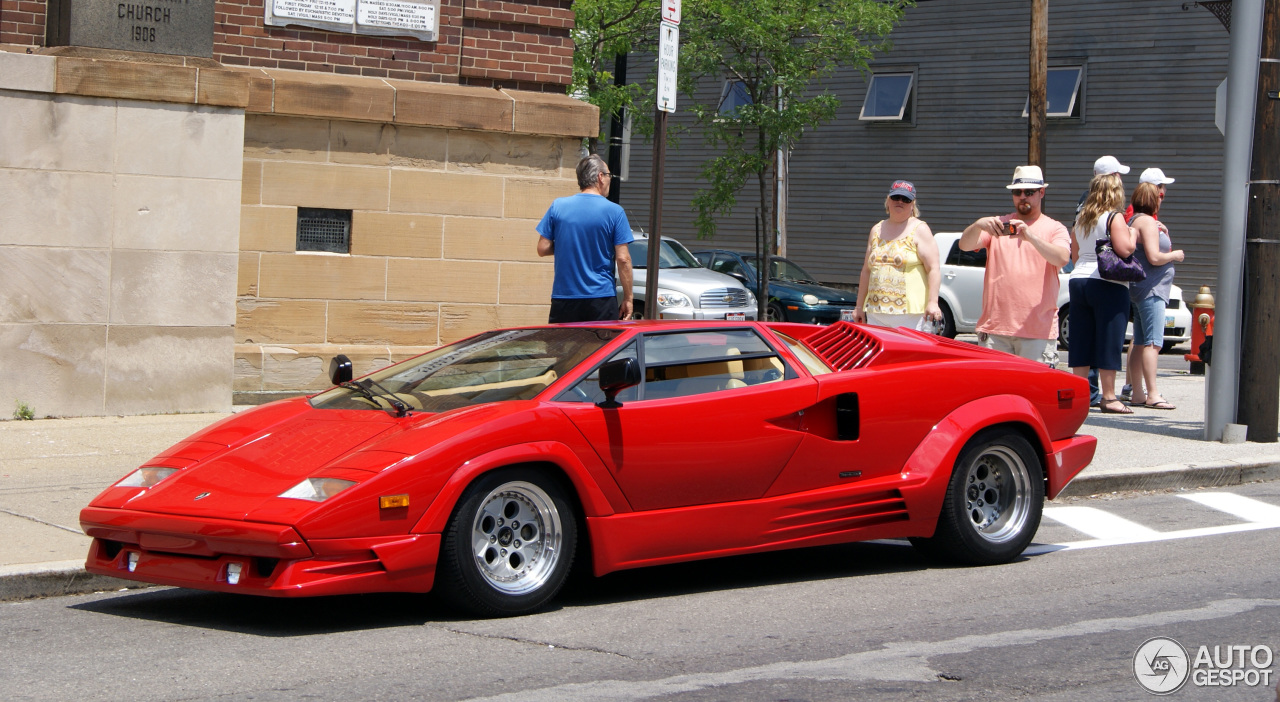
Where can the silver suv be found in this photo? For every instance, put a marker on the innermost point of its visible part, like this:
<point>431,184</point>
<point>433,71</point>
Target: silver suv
<point>686,290</point>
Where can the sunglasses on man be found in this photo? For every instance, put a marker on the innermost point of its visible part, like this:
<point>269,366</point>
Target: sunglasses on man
<point>1025,193</point>
<point>900,198</point>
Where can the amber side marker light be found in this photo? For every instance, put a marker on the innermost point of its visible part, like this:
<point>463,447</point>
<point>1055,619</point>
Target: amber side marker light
<point>393,501</point>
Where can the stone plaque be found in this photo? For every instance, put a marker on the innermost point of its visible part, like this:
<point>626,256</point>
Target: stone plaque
<point>408,18</point>
<point>182,27</point>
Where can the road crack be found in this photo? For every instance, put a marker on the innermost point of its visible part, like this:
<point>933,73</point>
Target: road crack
<point>535,642</point>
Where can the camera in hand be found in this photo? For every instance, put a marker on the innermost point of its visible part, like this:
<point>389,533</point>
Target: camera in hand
<point>1009,229</point>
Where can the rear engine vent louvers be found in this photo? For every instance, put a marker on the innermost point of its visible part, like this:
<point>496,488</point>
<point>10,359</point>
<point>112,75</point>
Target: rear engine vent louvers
<point>844,346</point>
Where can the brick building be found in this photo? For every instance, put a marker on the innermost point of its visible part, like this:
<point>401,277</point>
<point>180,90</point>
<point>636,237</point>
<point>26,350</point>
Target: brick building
<point>158,247</point>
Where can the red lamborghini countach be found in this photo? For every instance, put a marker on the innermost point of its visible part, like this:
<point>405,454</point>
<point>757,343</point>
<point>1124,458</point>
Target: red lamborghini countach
<point>481,469</point>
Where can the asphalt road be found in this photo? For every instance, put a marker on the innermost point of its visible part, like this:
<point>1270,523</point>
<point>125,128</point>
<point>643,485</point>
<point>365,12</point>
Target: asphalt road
<point>838,623</point>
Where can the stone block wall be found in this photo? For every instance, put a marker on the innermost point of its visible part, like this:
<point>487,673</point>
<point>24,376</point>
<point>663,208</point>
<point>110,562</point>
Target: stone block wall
<point>445,185</point>
<point>119,236</point>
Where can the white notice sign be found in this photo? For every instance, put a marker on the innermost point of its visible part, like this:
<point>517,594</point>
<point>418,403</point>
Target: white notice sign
<point>668,56</point>
<point>336,11</point>
<point>396,14</point>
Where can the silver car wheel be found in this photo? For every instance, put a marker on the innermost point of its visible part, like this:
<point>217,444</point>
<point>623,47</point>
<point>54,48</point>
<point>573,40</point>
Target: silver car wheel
<point>997,494</point>
<point>516,538</point>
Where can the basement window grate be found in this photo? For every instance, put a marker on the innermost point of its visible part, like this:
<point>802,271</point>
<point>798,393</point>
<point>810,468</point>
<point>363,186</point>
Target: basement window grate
<point>322,229</point>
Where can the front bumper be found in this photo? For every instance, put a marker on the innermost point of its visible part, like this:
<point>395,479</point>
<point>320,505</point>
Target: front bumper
<point>274,559</point>
<point>822,314</point>
<point>690,313</point>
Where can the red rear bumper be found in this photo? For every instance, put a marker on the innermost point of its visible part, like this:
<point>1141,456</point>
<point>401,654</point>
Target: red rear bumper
<point>1066,459</point>
<point>274,559</point>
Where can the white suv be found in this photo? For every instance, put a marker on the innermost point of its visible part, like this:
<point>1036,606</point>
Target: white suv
<point>961,296</point>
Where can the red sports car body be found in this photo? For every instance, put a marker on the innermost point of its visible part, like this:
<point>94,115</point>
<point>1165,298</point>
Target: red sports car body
<point>482,468</point>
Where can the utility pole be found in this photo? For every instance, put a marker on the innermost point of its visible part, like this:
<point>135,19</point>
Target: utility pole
<point>1222,382</point>
<point>1259,405</point>
<point>615,132</point>
<point>1037,141</point>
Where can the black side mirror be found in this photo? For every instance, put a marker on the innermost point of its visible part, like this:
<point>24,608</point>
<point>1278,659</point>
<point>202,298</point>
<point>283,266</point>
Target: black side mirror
<point>340,370</point>
<point>615,376</point>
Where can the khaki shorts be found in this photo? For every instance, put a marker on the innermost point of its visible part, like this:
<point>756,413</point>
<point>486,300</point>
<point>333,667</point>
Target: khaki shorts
<point>1041,350</point>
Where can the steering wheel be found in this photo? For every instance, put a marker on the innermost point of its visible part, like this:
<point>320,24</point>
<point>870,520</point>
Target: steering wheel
<point>577,390</point>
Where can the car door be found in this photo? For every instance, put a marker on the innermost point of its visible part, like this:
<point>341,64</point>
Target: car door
<point>963,273</point>
<point>715,419</point>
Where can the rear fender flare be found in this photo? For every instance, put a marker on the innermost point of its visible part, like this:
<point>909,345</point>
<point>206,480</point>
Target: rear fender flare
<point>928,470</point>
<point>593,501</point>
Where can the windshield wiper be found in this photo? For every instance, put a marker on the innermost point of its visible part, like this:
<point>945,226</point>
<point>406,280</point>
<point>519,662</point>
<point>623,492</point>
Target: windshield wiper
<point>401,408</point>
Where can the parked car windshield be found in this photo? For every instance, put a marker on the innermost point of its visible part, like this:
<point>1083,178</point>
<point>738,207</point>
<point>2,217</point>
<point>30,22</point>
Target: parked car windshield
<point>782,269</point>
<point>515,364</point>
<point>670,255</point>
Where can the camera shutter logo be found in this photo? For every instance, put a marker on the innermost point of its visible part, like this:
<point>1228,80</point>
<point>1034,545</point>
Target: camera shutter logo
<point>1161,665</point>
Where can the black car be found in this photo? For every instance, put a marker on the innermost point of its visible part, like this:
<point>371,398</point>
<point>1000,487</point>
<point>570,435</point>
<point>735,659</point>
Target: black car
<point>794,295</point>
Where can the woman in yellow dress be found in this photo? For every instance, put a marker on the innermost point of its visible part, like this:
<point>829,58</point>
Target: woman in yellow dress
<point>900,276</point>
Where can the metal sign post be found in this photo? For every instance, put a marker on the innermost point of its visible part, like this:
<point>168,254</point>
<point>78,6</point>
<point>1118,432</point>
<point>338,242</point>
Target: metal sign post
<point>668,53</point>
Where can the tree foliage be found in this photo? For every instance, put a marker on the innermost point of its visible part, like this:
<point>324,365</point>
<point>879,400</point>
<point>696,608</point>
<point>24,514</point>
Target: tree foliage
<point>778,50</point>
<point>602,30</point>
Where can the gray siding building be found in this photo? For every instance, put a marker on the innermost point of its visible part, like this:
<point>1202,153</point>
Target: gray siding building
<point>1135,79</point>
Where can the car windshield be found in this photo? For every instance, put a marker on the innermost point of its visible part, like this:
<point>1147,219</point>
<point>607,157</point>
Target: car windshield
<point>515,364</point>
<point>782,269</point>
<point>670,255</point>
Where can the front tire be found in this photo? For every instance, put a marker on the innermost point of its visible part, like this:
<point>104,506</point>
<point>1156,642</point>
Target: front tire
<point>994,501</point>
<point>509,545</point>
<point>775,313</point>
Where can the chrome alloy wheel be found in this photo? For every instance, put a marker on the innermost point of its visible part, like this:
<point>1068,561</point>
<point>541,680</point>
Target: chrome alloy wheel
<point>516,538</point>
<point>997,494</point>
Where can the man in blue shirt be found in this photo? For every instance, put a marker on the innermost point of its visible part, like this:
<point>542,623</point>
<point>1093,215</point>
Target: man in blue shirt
<point>586,233</point>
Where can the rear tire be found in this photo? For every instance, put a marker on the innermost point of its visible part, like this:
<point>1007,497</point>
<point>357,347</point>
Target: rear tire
<point>637,309</point>
<point>509,545</point>
<point>993,504</point>
<point>948,321</point>
<point>1063,314</point>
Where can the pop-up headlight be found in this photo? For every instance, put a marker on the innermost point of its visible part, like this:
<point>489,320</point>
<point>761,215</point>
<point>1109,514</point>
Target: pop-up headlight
<point>317,489</point>
<point>146,476</point>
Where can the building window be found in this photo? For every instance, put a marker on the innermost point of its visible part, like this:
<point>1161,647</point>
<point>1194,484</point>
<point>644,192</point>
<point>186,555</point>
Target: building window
<point>1064,83</point>
<point>321,229</point>
<point>890,97</point>
<point>732,96</point>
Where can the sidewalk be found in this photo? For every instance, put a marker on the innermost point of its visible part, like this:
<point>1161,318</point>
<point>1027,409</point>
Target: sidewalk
<point>51,468</point>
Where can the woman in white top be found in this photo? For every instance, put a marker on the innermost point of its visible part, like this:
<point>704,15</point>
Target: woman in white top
<point>1099,308</point>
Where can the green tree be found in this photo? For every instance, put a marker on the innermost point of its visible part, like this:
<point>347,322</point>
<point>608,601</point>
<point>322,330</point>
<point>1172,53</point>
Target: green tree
<point>602,30</point>
<point>776,51</point>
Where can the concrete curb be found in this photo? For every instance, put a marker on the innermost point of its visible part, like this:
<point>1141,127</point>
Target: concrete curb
<point>24,582</point>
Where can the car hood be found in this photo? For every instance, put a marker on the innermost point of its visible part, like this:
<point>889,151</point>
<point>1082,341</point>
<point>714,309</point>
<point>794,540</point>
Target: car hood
<point>688,280</point>
<point>822,292</point>
<point>229,479</point>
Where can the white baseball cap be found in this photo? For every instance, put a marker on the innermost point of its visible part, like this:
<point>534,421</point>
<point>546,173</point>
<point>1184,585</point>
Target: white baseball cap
<point>1155,176</point>
<point>1107,165</point>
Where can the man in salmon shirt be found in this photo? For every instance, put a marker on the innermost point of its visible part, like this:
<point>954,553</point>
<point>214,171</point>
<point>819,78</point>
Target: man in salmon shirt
<point>1025,249</point>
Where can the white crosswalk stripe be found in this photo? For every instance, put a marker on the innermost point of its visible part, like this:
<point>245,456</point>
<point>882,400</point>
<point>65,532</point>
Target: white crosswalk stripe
<point>1246,508</point>
<point>1110,530</point>
<point>1099,524</point>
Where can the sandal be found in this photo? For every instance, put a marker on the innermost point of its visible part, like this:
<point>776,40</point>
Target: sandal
<point>1160,404</point>
<point>1107,404</point>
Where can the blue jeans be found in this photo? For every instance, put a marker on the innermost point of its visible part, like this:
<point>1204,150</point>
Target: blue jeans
<point>1148,321</point>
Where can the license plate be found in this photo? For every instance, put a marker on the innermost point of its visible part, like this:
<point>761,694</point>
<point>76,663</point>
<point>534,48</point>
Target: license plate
<point>735,317</point>
<point>846,315</point>
<point>1168,322</point>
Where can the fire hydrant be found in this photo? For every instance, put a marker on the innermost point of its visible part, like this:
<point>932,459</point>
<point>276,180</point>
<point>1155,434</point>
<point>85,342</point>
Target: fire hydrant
<point>1201,328</point>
